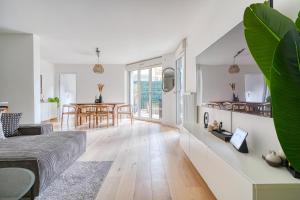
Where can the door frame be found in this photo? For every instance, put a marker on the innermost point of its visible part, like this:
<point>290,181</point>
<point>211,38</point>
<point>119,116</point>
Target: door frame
<point>139,92</point>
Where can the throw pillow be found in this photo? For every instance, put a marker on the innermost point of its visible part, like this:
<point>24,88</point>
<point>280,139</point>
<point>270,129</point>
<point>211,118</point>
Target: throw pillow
<point>2,136</point>
<point>10,123</point>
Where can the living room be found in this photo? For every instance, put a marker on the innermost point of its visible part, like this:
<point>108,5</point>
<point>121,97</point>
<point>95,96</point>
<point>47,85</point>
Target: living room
<point>149,99</point>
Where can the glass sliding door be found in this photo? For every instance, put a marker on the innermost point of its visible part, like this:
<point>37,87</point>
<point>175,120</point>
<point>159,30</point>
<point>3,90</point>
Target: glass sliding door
<point>134,92</point>
<point>156,93</point>
<point>145,93</point>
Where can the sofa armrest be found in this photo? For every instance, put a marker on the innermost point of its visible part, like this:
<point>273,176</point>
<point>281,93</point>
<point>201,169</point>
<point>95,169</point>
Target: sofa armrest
<point>35,129</point>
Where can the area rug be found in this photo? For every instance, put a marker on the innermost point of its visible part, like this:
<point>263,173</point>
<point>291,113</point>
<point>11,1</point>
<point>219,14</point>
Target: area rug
<point>81,181</point>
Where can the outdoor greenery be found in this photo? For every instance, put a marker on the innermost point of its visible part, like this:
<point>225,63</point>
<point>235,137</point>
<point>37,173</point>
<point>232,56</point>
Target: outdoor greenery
<point>274,42</point>
<point>156,93</point>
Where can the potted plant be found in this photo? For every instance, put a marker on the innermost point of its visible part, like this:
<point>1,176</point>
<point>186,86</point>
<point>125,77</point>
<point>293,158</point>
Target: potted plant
<point>274,42</point>
<point>54,100</point>
<point>100,88</point>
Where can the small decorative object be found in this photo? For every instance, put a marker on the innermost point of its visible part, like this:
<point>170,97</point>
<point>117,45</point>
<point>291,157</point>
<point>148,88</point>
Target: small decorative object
<point>235,97</point>
<point>42,98</point>
<point>214,126</point>
<point>206,119</point>
<point>100,88</point>
<point>96,99</point>
<point>273,159</point>
<point>98,68</point>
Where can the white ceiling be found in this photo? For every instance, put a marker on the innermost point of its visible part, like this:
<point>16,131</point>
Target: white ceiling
<point>124,30</point>
<point>223,50</point>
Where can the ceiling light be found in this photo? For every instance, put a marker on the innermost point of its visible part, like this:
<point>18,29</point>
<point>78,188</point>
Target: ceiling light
<point>98,68</point>
<point>234,68</point>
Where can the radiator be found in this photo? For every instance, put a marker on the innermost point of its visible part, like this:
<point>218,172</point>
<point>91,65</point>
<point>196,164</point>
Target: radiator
<point>190,108</point>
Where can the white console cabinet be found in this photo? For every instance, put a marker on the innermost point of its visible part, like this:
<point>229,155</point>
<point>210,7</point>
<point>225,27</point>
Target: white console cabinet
<point>236,176</point>
<point>48,111</point>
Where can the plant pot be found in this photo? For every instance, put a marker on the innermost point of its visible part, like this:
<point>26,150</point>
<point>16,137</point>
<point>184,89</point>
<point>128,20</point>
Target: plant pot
<point>295,173</point>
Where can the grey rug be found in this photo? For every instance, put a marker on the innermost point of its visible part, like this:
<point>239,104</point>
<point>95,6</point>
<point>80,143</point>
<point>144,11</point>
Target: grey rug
<point>81,181</point>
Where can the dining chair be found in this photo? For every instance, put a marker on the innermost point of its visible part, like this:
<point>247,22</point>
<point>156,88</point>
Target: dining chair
<point>88,112</point>
<point>124,110</point>
<point>68,110</point>
<point>239,106</point>
<point>103,111</point>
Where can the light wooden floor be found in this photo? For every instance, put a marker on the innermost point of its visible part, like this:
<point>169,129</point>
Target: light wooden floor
<point>148,163</point>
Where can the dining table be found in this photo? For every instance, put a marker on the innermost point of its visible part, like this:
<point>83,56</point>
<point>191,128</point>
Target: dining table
<point>114,106</point>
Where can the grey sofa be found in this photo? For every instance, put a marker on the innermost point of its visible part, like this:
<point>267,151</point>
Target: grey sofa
<point>46,153</point>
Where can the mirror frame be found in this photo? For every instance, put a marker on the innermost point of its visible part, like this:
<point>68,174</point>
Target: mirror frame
<point>163,79</point>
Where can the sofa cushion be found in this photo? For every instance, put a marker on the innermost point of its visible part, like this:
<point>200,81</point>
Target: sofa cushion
<point>35,129</point>
<point>2,136</point>
<point>10,123</point>
<point>46,155</point>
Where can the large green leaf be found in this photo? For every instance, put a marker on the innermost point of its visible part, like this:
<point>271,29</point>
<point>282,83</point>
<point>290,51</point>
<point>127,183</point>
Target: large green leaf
<point>264,28</point>
<point>298,22</point>
<point>285,92</point>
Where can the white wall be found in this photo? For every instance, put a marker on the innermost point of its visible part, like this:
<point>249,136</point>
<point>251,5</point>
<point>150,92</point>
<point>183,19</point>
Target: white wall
<point>36,79</point>
<point>113,79</point>
<point>19,75</point>
<point>213,25</point>
<point>47,71</point>
<point>169,98</point>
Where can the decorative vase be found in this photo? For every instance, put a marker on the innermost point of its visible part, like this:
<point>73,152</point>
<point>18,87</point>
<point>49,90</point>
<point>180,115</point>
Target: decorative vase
<point>235,97</point>
<point>100,99</point>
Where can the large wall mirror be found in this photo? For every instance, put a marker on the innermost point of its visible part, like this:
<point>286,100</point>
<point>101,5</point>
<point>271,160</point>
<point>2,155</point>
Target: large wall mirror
<point>228,77</point>
<point>168,76</point>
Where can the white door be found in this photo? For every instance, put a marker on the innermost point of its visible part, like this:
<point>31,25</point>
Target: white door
<point>67,88</point>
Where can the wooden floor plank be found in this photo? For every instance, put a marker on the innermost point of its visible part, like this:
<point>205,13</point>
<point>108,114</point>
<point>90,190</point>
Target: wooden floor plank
<point>148,163</point>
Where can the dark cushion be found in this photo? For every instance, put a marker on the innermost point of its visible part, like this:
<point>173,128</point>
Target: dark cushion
<point>35,129</point>
<point>10,123</point>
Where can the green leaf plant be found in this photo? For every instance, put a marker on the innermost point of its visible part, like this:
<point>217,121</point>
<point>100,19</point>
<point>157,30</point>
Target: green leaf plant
<point>264,28</point>
<point>274,42</point>
<point>298,22</point>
